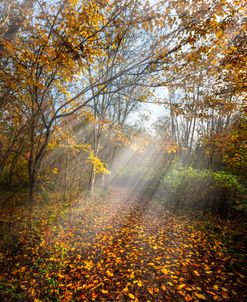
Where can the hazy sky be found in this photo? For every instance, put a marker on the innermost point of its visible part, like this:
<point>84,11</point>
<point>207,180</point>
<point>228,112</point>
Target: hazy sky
<point>152,111</point>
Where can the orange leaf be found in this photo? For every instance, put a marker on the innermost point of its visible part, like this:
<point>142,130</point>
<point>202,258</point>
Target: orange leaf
<point>224,295</point>
<point>181,293</point>
<point>211,293</point>
<point>187,298</point>
<point>180,286</point>
<point>196,273</point>
<point>94,295</point>
<point>68,297</point>
<point>164,271</point>
<point>200,296</point>
<point>2,277</point>
<point>163,287</point>
<point>189,288</point>
<point>22,269</point>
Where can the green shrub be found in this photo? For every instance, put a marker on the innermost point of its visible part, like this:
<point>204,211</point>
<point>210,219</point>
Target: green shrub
<point>189,188</point>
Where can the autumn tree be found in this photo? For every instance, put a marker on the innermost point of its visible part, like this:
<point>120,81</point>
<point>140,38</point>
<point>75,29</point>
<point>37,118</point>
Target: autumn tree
<point>42,64</point>
<point>45,68</point>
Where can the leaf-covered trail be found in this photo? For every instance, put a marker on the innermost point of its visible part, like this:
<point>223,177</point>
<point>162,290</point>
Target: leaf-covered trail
<point>121,250</point>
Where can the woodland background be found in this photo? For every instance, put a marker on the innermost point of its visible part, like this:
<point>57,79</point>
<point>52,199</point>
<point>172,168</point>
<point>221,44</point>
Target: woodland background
<point>80,160</point>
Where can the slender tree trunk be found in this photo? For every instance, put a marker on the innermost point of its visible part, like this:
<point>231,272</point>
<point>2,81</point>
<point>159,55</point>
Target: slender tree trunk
<point>31,190</point>
<point>31,164</point>
<point>91,182</point>
<point>32,178</point>
<point>66,184</point>
<point>92,176</point>
<point>12,168</point>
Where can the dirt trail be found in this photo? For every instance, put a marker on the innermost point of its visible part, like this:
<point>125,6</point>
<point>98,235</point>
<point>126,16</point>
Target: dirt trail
<point>123,249</point>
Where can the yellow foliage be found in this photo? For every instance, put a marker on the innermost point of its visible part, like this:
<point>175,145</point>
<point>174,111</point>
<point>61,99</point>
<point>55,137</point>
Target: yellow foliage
<point>98,166</point>
<point>55,171</point>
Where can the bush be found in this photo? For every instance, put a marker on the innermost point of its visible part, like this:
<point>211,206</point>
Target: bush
<point>188,188</point>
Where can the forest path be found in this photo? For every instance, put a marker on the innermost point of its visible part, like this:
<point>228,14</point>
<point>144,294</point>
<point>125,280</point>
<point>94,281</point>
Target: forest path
<point>121,249</point>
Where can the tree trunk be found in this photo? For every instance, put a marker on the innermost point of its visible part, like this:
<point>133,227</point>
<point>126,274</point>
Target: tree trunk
<point>31,181</point>
<point>91,182</point>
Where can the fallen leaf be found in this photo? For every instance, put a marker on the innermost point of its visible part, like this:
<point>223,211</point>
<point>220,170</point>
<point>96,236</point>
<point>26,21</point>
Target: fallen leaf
<point>131,296</point>
<point>196,273</point>
<point>164,271</point>
<point>188,298</point>
<point>163,287</point>
<point>180,286</point>
<point>200,296</point>
<point>109,273</point>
